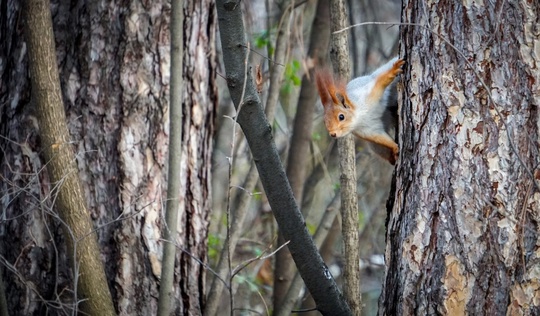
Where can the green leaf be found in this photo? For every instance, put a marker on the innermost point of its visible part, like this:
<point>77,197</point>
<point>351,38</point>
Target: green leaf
<point>311,228</point>
<point>296,80</point>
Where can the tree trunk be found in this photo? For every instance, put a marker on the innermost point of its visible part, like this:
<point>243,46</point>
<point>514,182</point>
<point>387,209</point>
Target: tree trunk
<point>463,232</point>
<point>90,283</point>
<point>113,61</point>
<point>170,231</point>
<point>339,55</point>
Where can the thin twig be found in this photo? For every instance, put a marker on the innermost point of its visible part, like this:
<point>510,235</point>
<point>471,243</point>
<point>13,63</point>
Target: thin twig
<point>304,310</point>
<point>229,193</point>
<point>375,23</point>
<point>204,265</point>
<point>244,264</point>
<point>264,303</point>
<point>265,57</point>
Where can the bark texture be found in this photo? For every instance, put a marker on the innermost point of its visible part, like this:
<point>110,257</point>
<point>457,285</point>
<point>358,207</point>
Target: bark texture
<point>463,233</point>
<point>69,202</point>
<point>114,67</point>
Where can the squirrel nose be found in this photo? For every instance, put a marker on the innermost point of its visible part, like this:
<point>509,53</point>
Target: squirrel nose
<point>333,134</point>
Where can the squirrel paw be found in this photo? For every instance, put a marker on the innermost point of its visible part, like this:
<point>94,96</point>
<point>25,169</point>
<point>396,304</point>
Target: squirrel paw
<point>394,156</point>
<point>396,68</point>
<point>385,79</point>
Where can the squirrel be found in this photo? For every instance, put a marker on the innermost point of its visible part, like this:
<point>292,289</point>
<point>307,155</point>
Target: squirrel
<point>366,107</point>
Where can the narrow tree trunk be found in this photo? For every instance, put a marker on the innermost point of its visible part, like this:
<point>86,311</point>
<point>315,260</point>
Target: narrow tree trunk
<point>347,154</point>
<point>174,186</point>
<point>463,233</point>
<point>283,262</point>
<point>83,251</point>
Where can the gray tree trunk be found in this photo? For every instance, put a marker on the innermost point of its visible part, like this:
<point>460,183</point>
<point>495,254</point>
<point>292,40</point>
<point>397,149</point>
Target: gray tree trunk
<point>114,69</point>
<point>463,231</point>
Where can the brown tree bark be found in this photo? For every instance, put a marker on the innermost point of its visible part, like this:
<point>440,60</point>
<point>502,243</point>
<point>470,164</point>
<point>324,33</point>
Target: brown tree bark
<point>200,101</point>
<point>114,69</point>
<point>463,231</point>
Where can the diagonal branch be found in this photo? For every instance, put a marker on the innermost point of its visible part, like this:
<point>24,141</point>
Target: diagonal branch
<point>89,274</point>
<point>259,136</point>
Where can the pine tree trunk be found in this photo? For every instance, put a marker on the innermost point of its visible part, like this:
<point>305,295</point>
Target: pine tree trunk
<point>463,232</point>
<point>114,68</point>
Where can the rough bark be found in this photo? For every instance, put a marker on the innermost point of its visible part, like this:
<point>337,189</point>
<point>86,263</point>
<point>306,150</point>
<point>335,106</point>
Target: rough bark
<point>199,108</point>
<point>463,233</point>
<point>114,66</point>
<point>68,199</point>
<point>259,136</point>
<point>339,54</point>
<point>3,301</point>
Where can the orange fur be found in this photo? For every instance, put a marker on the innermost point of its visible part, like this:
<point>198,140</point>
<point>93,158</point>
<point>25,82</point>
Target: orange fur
<point>329,88</point>
<point>385,79</point>
<point>385,141</point>
<point>335,101</point>
<point>324,81</point>
<point>361,113</point>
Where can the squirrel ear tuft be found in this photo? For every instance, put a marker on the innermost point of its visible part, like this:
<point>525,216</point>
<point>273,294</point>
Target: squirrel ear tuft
<point>325,85</point>
<point>341,99</point>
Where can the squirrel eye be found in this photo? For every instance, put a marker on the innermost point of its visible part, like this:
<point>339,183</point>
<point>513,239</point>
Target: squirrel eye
<point>341,117</point>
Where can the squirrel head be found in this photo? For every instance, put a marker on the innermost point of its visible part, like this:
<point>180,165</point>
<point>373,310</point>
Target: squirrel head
<point>338,109</point>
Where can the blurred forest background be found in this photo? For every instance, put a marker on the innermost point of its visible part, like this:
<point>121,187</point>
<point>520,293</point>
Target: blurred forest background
<point>113,72</point>
<point>370,46</point>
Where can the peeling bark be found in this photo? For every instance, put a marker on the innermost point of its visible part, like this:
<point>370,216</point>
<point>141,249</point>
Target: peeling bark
<point>463,233</point>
